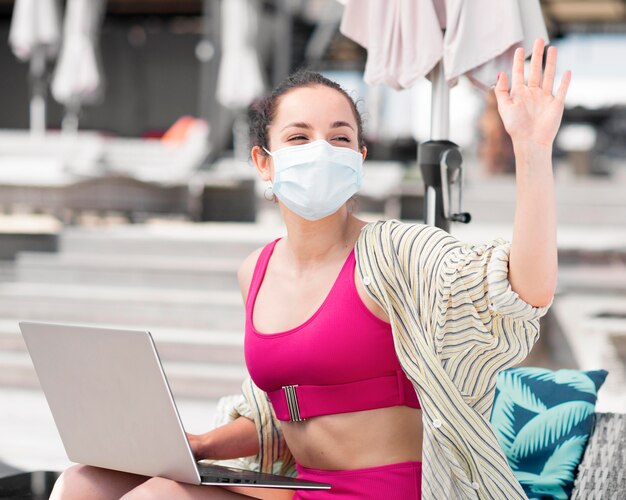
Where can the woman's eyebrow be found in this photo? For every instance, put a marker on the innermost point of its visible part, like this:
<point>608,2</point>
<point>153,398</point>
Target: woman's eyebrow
<point>297,125</point>
<point>305,125</point>
<point>341,124</point>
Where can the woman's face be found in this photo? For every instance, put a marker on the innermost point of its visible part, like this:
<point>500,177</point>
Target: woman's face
<point>308,114</point>
<point>304,115</point>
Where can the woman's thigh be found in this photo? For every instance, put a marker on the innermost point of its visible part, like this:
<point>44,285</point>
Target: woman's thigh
<point>158,488</point>
<point>84,481</point>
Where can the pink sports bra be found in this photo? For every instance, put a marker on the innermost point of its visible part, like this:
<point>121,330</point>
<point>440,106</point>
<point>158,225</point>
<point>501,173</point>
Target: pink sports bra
<point>340,360</point>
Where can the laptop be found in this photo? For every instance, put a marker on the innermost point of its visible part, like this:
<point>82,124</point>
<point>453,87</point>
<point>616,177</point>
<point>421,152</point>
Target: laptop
<point>113,407</point>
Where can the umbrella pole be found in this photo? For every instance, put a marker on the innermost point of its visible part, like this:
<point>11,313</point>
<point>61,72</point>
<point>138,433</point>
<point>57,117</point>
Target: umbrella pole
<point>440,160</point>
<point>38,96</point>
<point>440,105</point>
<point>281,62</point>
<point>69,124</point>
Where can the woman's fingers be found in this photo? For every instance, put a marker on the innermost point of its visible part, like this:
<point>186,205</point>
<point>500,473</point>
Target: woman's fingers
<point>562,92</point>
<point>517,76</point>
<point>548,75</point>
<point>502,89</point>
<point>534,76</point>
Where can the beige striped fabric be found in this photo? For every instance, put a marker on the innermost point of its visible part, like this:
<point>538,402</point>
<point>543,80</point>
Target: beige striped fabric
<point>456,323</point>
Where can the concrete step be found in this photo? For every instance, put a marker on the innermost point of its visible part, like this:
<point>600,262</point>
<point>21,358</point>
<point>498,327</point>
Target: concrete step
<point>187,380</point>
<point>7,271</point>
<point>579,201</point>
<point>600,279</point>
<point>209,310</point>
<point>233,241</point>
<point>199,364</point>
<point>128,270</point>
<point>177,345</point>
<point>588,323</point>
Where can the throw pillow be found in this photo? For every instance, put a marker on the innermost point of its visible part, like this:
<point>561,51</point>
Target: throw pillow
<point>543,419</point>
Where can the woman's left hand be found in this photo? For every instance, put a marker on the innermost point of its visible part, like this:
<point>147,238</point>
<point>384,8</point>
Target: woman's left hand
<point>530,113</point>
<point>197,444</point>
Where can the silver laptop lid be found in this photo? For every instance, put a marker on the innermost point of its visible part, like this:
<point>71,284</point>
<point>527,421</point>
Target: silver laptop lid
<point>110,399</point>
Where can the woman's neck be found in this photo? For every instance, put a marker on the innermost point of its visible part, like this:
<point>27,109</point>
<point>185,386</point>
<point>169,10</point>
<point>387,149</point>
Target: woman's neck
<point>309,242</point>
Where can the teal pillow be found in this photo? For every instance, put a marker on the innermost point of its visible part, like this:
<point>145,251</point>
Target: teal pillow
<point>542,419</point>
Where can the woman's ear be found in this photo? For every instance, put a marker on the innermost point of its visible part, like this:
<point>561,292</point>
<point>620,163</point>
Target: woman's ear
<point>262,162</point>
<point>364,152</point>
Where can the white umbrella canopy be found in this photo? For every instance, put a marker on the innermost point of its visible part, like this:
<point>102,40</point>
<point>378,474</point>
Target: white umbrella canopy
<point>77,79</point>
<point>240,80</point>
<point>35,24</point>
<point>35,36</point>
<point>406,39</point>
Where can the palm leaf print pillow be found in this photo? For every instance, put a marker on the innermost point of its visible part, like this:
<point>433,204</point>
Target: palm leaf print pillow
<point>542,419</point>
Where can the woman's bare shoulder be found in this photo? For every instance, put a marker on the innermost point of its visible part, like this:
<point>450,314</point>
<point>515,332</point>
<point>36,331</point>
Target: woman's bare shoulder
<point>246,270</point>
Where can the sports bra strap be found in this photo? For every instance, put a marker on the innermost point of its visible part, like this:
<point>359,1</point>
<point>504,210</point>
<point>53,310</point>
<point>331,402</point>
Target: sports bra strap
<point>259,272</point>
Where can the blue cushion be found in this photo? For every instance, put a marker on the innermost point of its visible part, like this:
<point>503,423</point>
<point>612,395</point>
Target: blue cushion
<point>542,419</point>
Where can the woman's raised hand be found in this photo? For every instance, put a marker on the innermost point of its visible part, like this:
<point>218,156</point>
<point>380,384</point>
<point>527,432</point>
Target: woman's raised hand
<point>530,112</point>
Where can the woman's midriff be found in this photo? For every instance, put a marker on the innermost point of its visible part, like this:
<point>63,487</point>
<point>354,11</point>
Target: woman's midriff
<point>356,440</point>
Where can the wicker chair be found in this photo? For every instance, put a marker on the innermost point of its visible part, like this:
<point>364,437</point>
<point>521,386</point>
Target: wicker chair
<point>602,471</point>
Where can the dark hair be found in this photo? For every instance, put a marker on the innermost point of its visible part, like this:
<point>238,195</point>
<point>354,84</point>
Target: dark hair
<point>261,113</point>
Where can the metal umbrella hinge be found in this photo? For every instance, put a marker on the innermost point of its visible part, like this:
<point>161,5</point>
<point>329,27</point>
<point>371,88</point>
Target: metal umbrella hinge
<point>452,176</point>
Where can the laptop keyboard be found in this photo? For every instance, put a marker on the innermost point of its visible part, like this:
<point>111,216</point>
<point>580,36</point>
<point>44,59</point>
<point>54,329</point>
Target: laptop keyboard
<point>224,474</point>
<point>213,473</point>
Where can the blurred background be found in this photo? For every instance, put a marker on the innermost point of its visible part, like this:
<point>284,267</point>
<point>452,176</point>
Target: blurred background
<point>127,199</point>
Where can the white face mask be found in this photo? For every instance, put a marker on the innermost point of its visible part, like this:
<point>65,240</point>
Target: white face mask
<point>315,179</point>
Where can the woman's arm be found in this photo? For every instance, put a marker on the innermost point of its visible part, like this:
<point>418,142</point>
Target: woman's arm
<point>235,439</point>
<point>531,116</point>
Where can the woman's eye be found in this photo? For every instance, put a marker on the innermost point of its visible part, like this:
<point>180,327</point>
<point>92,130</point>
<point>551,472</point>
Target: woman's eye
<point>297,138</point>
<point>341,138</point>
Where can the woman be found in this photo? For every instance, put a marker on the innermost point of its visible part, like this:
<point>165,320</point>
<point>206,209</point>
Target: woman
<point>392,333</point>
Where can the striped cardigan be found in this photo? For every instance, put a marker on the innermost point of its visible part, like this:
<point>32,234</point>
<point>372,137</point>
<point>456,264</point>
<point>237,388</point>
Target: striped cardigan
<point>456,323</point>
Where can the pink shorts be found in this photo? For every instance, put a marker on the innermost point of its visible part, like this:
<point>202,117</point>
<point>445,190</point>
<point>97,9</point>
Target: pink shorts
<point>402,481</point>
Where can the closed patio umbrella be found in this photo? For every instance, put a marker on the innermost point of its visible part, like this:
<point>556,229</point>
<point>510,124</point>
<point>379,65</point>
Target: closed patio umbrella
<point>77,79</point>
<point>443,40</point>
<point>34,36</point>
<point>240,80</point>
